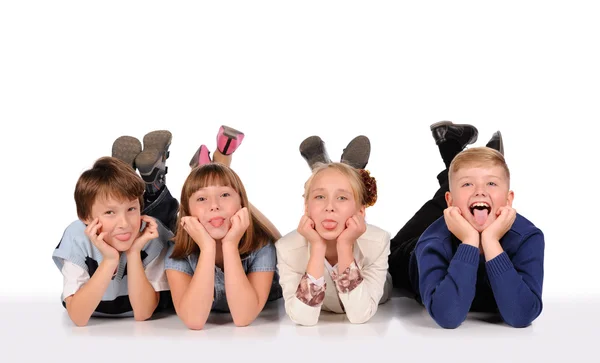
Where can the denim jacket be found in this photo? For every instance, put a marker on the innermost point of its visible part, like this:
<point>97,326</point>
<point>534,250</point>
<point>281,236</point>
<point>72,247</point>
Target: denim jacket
<point>262,260</point>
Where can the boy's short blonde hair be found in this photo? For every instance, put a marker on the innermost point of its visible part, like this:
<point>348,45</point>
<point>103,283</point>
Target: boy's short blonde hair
<point>108,178</point>
<point>478,156</point>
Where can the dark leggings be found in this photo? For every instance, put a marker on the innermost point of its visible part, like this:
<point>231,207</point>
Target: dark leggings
<point>403,244</point>
<point>164,208</point>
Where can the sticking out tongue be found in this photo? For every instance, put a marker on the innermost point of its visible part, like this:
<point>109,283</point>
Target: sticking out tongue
<point>217,222</point>
<point>480,216</point>
<point>329,224</point>
<point>123,237</point>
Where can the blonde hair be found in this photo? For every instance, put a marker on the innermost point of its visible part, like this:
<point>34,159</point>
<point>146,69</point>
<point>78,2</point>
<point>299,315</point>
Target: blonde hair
<point>478,156</point>
<point>256,236</point>
<point>108,178</point>
<point>364,186</point>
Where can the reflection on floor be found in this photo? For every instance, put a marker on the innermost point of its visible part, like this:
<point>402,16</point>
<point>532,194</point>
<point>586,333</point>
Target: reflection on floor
<point>401,329</point>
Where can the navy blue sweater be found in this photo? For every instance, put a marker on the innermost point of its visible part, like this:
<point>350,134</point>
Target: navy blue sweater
<point>453,278</point>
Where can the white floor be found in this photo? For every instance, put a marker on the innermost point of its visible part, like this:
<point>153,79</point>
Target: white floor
<point>40,330</point>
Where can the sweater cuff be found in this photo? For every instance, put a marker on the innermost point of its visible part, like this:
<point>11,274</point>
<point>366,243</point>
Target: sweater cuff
<point>467,253</point>
<point>499,265</point>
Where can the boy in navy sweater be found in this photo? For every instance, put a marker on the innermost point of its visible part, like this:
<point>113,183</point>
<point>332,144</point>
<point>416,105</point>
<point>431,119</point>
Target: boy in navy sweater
<point>467,249</point>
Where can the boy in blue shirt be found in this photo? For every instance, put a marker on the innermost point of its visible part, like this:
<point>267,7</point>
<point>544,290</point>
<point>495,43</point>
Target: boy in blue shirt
<point>467,249</point>
<point>112,258</point>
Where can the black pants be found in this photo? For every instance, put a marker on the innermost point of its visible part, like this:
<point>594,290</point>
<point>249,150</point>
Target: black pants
<point>403,244</point>
<point>164,208</point>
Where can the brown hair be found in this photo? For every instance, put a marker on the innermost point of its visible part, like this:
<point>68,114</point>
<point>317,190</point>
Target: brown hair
<point>364,186</point>
<point>108,178</point>
<point>478,156</point>
<point>256,236</point>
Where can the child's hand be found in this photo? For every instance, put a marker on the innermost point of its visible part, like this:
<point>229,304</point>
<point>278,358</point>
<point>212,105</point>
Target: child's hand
<point>460,227</point>
<point>150,232</point>
<point>109,253</point>
<point>239,224</point>
<point>505,218</point>
<point>198,233</point>
<point>306,228</point>
<point>355,227</point>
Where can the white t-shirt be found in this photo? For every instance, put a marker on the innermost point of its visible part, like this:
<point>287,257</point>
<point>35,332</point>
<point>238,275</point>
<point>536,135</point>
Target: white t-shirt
<point>75,276</point>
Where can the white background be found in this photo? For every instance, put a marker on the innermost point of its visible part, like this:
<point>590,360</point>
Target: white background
<point>75,75</point>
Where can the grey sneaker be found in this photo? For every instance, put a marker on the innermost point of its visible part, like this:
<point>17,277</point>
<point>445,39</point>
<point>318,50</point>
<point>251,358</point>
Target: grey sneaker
<point>127,148</point>
<point>357,153</point>
<point>313,151</point>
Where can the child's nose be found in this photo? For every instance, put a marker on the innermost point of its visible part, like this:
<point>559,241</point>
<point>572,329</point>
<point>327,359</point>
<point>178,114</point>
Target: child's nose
<point>122,221</point>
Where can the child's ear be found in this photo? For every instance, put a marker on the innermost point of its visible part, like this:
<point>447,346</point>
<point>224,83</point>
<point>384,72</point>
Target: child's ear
<point>510,198</point>
<point>448,199</point>
<point>362,210</point>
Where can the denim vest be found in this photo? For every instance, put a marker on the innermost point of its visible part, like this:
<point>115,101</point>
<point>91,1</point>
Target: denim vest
<point>261,260</point>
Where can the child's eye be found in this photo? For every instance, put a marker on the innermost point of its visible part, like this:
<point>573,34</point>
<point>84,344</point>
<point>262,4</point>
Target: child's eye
<point>109,212</point>
<point>201,199</point>
<point>225,194</point>
<point>466,184</point>
<point>132,209</point>
<point>319,197</point>
<point>342,198</point>
<point>492,184</point>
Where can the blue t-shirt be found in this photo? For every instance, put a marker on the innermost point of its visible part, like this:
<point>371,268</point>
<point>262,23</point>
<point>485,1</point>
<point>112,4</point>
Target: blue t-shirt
<point>262,260</point>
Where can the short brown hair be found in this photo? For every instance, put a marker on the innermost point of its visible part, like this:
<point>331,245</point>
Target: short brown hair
<point>108,177</point>
<point>364,186</point>
<point>478,156</point>
<point>256,236</point>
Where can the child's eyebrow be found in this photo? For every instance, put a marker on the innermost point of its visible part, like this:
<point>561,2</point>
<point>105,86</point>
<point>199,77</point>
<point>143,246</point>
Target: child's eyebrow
<point>337,190</point>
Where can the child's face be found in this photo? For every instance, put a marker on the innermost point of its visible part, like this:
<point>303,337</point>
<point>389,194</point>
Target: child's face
<point>214,206</point>
<point>331,203</point>
<point>121,220</point>
<point>479,192</point>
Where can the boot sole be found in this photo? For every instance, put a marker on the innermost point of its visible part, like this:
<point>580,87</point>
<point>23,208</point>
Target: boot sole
<point>156,151</point>
<point>357,152</point>
<point>127,148</point>
<point>313,150</point>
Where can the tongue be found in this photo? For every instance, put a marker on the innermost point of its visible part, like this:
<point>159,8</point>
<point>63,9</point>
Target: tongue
<point>123,237</point>
<point>329,224</point>
<point>480,216</point>
<point>217,222</point>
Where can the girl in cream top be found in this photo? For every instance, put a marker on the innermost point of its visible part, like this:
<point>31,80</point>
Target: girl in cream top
<point>335,261</point>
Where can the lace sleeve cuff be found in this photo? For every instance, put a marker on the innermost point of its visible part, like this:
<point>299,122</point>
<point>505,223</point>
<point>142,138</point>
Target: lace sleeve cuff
<point>310,293</point>
<point>347,280</point>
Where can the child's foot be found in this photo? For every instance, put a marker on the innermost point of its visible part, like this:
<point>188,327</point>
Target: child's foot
<point>452,138</point>
<point>496,142</point>
<point>228,140</point>
<point>151,162</point>
<point>201,157</point>
<point>313,151</point>
<point>464,134</point>
<point>357,153</point>
<point>127,148</point>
